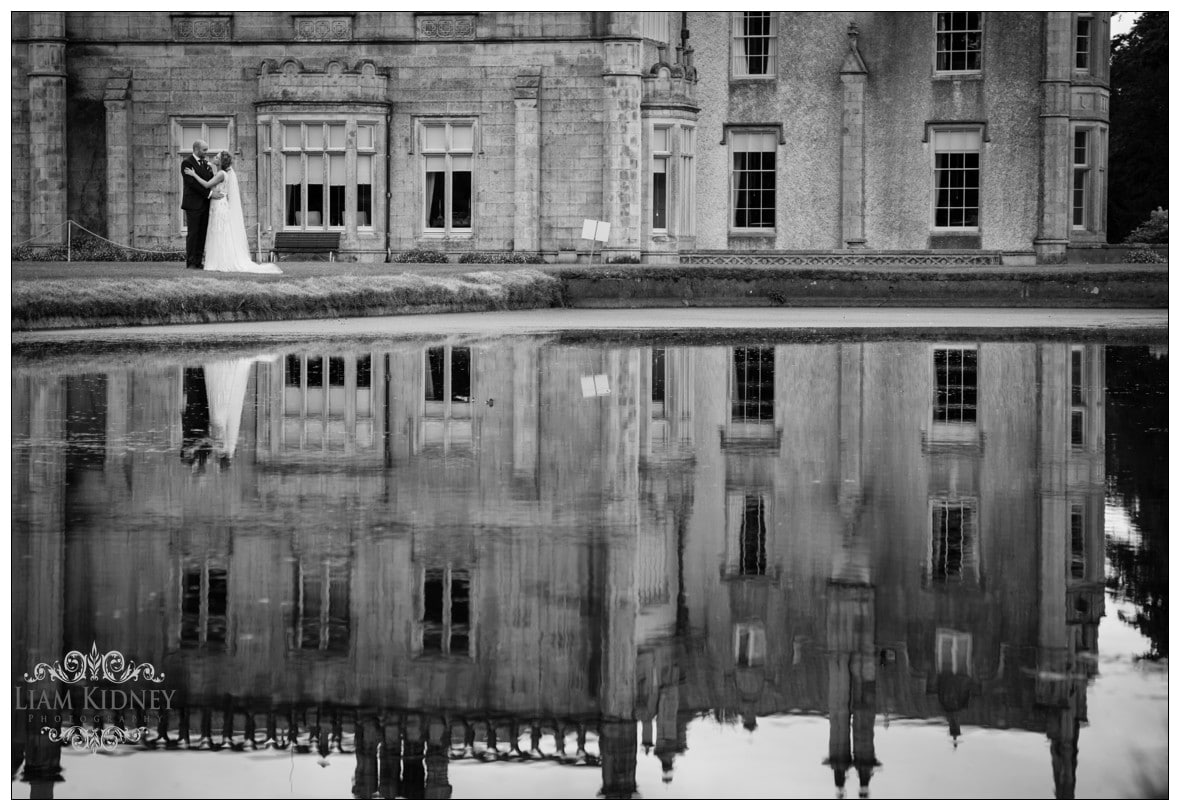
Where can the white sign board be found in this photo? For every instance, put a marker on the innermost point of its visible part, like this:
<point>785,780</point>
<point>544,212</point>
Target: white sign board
<point>595,230</point>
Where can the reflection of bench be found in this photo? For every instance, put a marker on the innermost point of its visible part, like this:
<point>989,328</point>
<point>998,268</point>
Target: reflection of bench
<point>306,242</point>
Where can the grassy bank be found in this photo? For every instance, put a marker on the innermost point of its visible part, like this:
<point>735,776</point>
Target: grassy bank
<point>84,300</point>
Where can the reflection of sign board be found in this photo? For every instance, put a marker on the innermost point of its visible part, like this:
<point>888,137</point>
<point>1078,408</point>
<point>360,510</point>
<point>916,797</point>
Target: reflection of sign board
<point>595,230</point>
<point>595,386</point>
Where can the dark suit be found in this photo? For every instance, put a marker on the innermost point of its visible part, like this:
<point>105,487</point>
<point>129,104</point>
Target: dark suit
<point>195,204</point>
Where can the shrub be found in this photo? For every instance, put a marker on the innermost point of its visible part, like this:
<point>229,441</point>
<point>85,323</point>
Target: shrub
<point>500,258</point>
<point>623,260</point>
<point>88,248</point>
<point>1145,256</point>
<point>422,257</point>
<point>1154,231</point>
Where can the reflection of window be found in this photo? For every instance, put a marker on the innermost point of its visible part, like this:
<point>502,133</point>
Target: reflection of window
<point>952,652</point>
<point>956,178</point>
<point>746,520</point>
<point>953,532</point>
<point>448,159</point>
<point>959,42</point>
<point>753,384</point>
<point>447,396</point>
<point>1077,542</point>
<point>1077,397</point>
<point>749,644</point>
<point>755,43</point>
<point>658,383</point>
<point>324,406</point>
<point>322,613</point>
<point>955,385</point>
<point>445,619</point>
<point>204,599</point>
<point>752,179</point>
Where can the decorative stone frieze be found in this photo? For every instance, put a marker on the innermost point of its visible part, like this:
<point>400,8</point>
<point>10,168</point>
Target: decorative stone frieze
<point>202,28</point>
<point>446,27</point>
<point>858,259</point>
<point>323,29</point>
<point>330,80</point>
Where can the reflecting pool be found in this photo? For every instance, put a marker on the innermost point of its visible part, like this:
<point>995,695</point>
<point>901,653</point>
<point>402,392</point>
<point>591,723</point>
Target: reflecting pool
<point>553,567</point>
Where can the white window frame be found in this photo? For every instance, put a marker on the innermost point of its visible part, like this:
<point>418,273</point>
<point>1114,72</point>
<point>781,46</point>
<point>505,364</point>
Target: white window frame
<point>664,155</point>
<point>944,37</point>
<point>183,150</point>
<point>1083,170</point>
<point>734,136</point>
<point>1077,394</point>
<point>935,178</point>
<point>686,192</point>
<point>352,152</point>
<point>449,152</point>
<point>739,59</point>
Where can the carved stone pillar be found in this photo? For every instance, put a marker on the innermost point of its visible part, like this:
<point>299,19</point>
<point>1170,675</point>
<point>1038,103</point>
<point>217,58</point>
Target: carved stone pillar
<point>47,126</point>
<point>622,186</point>
<point>526,230</point>
<point>853,75</point>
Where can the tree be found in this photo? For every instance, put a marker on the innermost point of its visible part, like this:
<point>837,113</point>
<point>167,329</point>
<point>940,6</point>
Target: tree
<point>1138,124</point>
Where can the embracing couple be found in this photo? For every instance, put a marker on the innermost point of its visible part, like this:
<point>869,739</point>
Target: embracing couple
<point>213,214</point>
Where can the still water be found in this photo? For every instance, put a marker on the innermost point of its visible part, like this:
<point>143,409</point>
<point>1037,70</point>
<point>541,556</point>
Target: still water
<point>548,567</point>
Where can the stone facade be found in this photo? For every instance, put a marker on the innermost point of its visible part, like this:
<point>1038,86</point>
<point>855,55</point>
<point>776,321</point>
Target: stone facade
<point>634,118</point>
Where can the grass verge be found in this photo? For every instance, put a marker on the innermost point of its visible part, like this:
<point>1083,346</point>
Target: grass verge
<point>108,302</point>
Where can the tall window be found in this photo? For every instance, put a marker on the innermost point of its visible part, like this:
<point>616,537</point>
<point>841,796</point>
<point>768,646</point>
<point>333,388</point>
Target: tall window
<point>955,385</point>
<point>315,173</point>
<point>204,605</point>
<point>746,521</point>
<point>659,377</point>
<point>448,159</point>
<point>1082,153</point>
<point>1077,397</point>
<point>687,225</point>
<point>752,181</point>
<point>1077,542</point>
<point>953,534</point>
<point>755,43</point>
<point>753,384</point>
<point>445,615</point>
<point>1083,42</point>
<point>959,42</point>
<point>661,154</point>
<point>216,132</point>
<point>956,178</point>
<point>322,613</point>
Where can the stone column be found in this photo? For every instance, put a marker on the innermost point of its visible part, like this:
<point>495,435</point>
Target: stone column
<point>526,232</point>
<point>1053,235</point>
<point>622,186</point>
<point>47,126</point>
<point>853,75</point>
<point>119,167</point>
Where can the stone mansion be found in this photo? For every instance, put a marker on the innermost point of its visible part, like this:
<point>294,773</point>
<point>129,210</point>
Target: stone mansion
<point>698,136</point>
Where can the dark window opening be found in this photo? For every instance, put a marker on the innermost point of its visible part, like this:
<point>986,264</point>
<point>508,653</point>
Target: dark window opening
<point>753,392</point>
<point>753,537</point>
<point>955,386</point>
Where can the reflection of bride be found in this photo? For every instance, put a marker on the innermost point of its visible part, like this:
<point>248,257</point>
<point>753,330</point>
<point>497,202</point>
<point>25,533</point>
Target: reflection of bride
<point>226,248</point>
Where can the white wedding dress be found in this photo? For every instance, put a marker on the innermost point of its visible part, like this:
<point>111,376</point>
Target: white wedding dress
<point>226,248</point>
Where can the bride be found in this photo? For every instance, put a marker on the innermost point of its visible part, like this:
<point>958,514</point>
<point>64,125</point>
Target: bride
<point>226,248</point>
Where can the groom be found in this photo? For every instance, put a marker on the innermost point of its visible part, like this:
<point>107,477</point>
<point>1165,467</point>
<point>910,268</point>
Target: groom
<point>195,204</point>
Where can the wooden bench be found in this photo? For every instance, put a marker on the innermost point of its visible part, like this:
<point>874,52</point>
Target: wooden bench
<point>306,242</point>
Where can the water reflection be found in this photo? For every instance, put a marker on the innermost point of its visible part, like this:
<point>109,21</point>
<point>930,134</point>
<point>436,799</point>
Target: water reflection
<point>421,553</point>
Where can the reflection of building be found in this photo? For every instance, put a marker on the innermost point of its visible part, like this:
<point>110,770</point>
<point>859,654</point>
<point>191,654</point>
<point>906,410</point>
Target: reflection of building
<point>692,133</point>
<point>441,549</point>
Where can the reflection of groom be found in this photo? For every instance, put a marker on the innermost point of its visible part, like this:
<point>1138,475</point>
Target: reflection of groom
<point>195,204</point>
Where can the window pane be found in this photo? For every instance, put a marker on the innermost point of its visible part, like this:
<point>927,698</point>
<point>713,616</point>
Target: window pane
<point>461,199</point>
<point>461,374</point>
<point>335,371</point>
<point>188,135</point>
<point>659,193</point>
<point>462,137</point>
<point>315,136</point>
<point>435,356</point>
<point>436,198</point>
<point>364,136</point>
<point>336,136</point>
<point>293,165</point>
<point>218,137</point>
<point>364,372</point>
<point>315,190</point>
<point>336,190</point>
<point>432,593</point>
<point>364,191</point>
<point>435,138</point>
<point>190,609</point>
<point>294,370</point>
<point>315,372</point>
<point>293,136</point>
<point>659,139</point>
<point>216,629</point>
